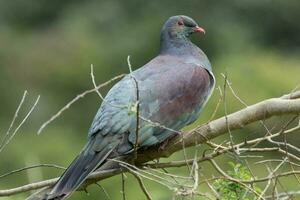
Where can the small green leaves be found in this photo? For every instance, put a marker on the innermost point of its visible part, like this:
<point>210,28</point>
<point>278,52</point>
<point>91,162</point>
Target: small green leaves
<point>229,190</point>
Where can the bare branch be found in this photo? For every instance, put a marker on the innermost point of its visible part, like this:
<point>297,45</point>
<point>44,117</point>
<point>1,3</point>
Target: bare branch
<point>136,109</point>
<point>237,120</point>
<point>103,189</point>
<point>21,123</point>
<point>14,118</point>
<point>123,187</point>
<point>31,167</point>
<point>142,186</point>
<point>284,195</point>
<point>79,96</point>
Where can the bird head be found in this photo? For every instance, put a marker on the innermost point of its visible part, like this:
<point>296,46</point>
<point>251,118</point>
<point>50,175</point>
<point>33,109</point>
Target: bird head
<point>181,26</point>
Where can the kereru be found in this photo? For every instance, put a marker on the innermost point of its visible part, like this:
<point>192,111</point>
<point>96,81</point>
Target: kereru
<point>172,91</point>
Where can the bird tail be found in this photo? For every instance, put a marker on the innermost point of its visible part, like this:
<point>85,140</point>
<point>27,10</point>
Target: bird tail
<point>86,162</point>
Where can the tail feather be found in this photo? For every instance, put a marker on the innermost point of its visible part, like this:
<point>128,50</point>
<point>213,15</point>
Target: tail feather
<point>77,172</point>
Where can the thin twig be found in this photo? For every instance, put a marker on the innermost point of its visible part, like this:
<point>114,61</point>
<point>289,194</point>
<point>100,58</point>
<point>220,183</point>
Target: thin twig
<point>225,110</point>
<point>31,167</point>
<point>100,95</point>
<point>14,118</point>
<point>284,194</point>
<point>104,191</point>
<point>216,166</point>
<point>79,96</point>
<point>218,104</point>
<point>270,177</point>
<point>139,172</point>
<point>137,109</point>
<point>142,186</point>
<point>19,126</point>
<point>123,187</point>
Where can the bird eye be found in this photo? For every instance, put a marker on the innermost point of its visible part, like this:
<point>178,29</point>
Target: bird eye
<point>180,23</point>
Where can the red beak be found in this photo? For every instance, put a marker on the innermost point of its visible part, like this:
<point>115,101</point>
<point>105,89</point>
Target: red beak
<point>198,29</point>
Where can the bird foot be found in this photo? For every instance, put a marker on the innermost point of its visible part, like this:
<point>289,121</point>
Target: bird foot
<point>165,143</point>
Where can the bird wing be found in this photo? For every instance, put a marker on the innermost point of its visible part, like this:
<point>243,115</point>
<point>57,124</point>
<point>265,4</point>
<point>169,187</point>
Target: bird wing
<point>171,94</point>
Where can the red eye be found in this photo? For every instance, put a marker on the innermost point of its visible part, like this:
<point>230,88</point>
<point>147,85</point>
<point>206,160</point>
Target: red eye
<point>180,23</point>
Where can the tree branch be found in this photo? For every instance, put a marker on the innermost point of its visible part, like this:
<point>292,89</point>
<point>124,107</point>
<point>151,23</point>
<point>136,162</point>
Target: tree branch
<point>237,120</point>
<point>287,104</point>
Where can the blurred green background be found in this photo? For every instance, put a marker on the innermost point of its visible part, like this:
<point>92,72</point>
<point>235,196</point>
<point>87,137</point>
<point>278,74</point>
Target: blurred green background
<point>46,47</point>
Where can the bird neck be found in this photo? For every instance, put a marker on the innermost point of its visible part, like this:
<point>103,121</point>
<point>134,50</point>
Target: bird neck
<point>173,44</point>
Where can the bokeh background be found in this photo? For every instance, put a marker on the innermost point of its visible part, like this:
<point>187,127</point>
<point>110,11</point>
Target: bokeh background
<point>46,47</point>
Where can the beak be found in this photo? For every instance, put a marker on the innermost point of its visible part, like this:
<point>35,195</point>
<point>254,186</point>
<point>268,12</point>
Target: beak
<point>198,29</point>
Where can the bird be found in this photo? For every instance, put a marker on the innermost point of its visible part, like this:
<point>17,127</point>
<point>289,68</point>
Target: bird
<point>171,90</point>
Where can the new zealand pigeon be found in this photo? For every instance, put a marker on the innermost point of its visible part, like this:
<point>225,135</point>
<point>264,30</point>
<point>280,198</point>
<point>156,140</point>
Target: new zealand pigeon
<point>173,89</point>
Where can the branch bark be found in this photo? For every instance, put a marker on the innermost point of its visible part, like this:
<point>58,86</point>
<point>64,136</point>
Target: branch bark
<point>237,120</point>
<point>287,104</point>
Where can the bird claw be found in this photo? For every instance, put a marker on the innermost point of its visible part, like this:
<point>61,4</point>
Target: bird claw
<point>164,144</point>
